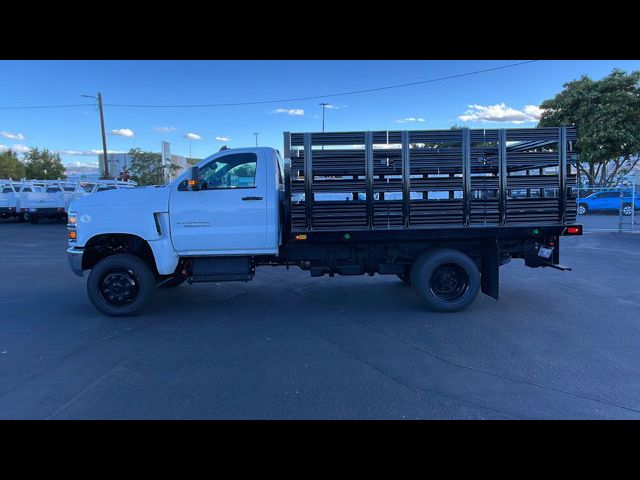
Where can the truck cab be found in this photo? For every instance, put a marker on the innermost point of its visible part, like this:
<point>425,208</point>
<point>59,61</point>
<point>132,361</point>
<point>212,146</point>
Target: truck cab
<point>233,209</point>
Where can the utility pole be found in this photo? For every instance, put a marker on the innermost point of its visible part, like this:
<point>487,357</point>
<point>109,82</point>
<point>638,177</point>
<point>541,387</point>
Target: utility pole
<point>323,105</point>
<point>256,134</point>
<point>104,136</point>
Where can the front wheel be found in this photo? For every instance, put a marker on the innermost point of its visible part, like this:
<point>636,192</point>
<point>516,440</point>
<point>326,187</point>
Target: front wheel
<point>445,280</point>
<point>582,209</point>
<point>120,285</point>
<point>627,210</point>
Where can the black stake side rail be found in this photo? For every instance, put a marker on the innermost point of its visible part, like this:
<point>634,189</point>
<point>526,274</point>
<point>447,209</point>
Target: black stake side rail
<point>465,160</point>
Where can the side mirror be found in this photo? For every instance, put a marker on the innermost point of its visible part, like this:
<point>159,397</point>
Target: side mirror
<point>193,182</point>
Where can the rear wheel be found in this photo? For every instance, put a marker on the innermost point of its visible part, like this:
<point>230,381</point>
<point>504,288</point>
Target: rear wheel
<point>627,209</point>
<point>445,280</point>
<point>120,285</point>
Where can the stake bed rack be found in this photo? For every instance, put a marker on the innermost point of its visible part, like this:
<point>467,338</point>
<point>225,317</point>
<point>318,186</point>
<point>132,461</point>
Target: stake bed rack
<point>429,179</point>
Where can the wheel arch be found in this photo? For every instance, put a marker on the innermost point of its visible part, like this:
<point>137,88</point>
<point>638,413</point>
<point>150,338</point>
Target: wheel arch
<point>106,244</point>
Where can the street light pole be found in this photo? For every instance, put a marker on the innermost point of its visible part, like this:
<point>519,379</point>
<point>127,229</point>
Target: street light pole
<point>323,105</point>
<point>256,134</point>
<point>104,136</point>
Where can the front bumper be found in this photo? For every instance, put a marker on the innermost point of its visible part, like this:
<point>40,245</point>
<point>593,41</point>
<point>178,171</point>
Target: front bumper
<point>74,254</point>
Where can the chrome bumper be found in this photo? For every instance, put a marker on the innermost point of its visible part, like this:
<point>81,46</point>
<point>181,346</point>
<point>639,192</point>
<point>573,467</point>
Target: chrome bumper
<point>74,255</point>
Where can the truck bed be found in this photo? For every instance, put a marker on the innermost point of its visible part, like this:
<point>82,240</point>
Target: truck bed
<point>417,180</point>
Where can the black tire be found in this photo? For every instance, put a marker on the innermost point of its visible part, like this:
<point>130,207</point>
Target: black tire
<point>124,279</point>
<point>21,218</point>
<point>445,280</point>
<point>34,219</point>
<point>173,282</point>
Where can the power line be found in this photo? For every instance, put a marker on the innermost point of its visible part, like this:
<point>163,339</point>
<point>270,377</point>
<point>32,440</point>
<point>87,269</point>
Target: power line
<point>315,97</point>
<point>51,106</point>
<point>298,99</point>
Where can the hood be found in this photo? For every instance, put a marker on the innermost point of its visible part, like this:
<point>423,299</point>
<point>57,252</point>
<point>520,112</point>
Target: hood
<point>153,199</point>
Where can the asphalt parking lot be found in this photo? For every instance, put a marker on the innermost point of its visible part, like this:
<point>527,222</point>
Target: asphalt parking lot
<point>288,346</point>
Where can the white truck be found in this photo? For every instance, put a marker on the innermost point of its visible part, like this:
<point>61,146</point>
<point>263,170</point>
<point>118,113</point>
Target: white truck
<point>42,200</point>
<point>10,200</point>
<point>347,209</point>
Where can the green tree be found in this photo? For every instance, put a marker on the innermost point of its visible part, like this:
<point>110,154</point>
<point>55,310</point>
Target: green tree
<point>147,168</point>
<point>43,165</point>
<point>10,166</point>
<point>606,114</point>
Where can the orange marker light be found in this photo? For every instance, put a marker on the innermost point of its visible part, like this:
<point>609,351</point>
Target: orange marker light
<point>73,235</point>
<point>192,182</point>
<point>302,236</point>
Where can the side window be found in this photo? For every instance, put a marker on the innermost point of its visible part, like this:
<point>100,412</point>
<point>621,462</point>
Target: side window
<point>26,189</point>
<point>230,171</point>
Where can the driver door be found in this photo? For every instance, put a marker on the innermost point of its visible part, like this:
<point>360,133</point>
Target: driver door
<point>228,215</point>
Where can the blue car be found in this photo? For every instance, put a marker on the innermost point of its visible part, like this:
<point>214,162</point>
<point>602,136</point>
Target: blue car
<point>608,201</point>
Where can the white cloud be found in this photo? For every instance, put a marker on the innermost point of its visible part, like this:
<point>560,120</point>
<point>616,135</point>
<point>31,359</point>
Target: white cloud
<point>223,139</point>
<point>410,120</point>
<point>533,111</point>
<point>12,136</point>
<point>81,164</point>
<point>86,153</point>
<point>164,129</point>
<point>17,148</point>
<point>192,136</point>
<point>123,132</point>
<point>387,146</point>
<point>291,111</point>
<point>335,107</point>
<point>501,113</point>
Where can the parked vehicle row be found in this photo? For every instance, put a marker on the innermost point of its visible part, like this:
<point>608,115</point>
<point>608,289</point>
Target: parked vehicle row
<point>33,200</point>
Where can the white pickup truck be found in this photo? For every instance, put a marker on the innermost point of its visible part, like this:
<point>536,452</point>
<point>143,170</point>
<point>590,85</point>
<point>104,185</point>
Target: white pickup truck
<point>347,209</point>
<point>42,201</point>
<point>10,200</point>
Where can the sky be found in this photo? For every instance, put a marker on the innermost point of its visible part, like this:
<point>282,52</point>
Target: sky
<point>503,98</point>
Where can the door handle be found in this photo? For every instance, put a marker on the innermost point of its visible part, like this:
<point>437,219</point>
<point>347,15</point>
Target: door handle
<point>251,198</point>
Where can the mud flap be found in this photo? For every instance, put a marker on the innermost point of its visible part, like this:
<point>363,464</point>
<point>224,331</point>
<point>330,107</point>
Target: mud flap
<point>490,274</point>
